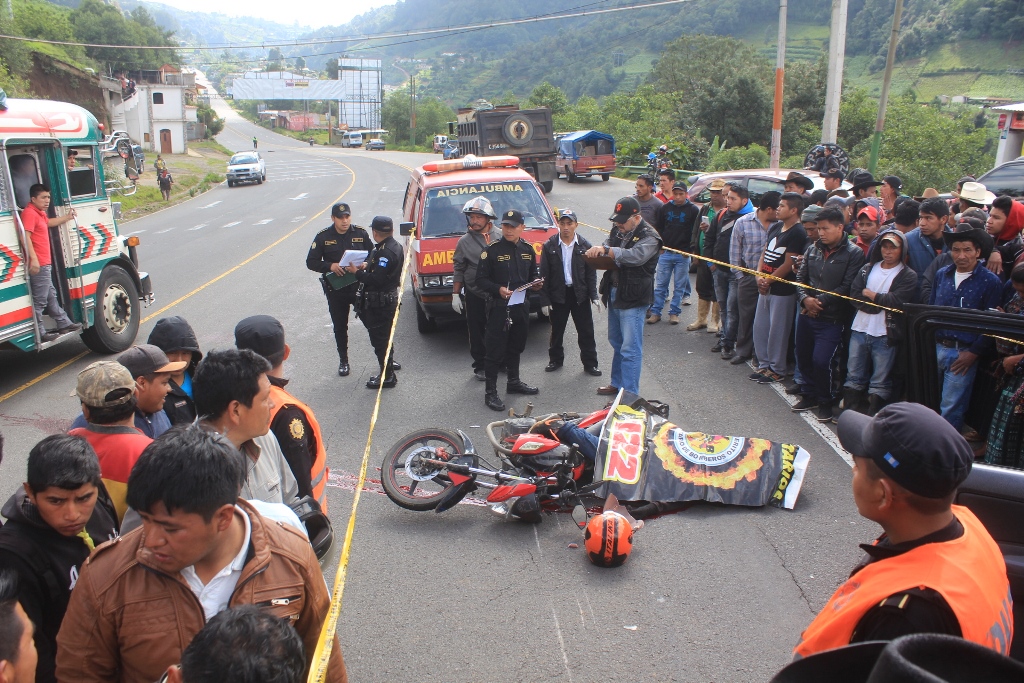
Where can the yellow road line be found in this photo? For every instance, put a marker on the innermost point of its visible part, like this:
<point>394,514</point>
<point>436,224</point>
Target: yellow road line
<point>195,291</point>
<point>325,644</point>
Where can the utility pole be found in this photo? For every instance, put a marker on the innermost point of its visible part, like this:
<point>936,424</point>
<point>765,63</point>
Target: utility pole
<point>883,101</point>
<point>836,55</point>
<point>412,110</point>
<point>780,72</point>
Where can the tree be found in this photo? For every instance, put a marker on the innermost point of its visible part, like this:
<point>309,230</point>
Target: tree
<point>300,63</point>
<point>432,116</point>
<point>97,22</point>
<point>733,158</point>
<point>547,95</point>
<point>274,55</point>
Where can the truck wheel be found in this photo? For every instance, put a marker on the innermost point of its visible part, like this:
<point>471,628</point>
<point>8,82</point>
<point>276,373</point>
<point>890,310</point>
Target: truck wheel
<point>547,186</point>
<point>570,176</point>
<point>424,324</point>
<point>606,176</point>
<point>117,313</point>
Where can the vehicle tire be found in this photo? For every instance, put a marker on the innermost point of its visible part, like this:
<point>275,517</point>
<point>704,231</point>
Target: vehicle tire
<point>231,183</point>
<point>264,177</point>
<point>415,494</point>
<point>606,176</point>
<point>117,312</point>
<point>570,176</point>
<point>424,324</point>
<point>259,181</point>
<point>547,186</point>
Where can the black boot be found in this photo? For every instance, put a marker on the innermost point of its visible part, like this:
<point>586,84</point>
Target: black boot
<point>875,403</point>
<point>518,386</point>
<point>491,399</point>
<point>853,399</point>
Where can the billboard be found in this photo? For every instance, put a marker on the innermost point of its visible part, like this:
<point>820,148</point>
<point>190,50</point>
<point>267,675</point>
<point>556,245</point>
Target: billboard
<point>361,81</point>
<point>282,85</point>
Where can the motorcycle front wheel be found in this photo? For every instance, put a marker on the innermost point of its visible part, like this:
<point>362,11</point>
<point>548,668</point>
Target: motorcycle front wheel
<point>412,483</point>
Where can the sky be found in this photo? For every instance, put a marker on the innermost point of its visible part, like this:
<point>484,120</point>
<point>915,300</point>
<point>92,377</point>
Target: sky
<point>316,13</point>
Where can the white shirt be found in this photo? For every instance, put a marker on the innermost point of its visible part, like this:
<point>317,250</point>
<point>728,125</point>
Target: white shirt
<point>959,277</point>
<point>214,596</point>
<point>567,250</point>
<point>879,281</point>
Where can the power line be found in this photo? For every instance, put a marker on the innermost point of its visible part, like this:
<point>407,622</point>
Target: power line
<point>363,37</point>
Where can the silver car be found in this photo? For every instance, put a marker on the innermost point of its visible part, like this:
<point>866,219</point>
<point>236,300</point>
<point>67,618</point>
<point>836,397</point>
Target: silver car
<point>246,167</point>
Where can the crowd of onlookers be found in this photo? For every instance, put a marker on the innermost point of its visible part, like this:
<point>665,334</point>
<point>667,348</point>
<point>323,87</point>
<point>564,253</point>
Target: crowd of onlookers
<point>843,264</point>
<point>223,470</point>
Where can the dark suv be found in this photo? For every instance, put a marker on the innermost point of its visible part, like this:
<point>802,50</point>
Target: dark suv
<point>1006,178</point>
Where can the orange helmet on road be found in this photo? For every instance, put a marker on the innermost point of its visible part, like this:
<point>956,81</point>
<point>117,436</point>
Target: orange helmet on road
<point>608,539</point>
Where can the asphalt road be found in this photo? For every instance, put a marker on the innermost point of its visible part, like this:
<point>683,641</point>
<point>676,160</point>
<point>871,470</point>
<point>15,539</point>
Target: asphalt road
<point>710,594</point>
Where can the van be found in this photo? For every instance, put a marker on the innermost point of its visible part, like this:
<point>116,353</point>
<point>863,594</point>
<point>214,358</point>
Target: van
<point>95,269</point>
<point>352,139</point>
<point>434,198</point>
<point>439,142</point>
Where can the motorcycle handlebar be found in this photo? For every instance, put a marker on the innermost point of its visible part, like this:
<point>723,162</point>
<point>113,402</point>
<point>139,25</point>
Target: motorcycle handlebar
<point>489,429</point>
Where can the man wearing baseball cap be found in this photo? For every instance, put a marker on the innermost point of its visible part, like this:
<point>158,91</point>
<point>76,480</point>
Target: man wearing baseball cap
<point>506,265</point>
<point>107,391</point>
<point>676,221</point>
<point>627,290</point>
<point>832,180</point>
<point>324,257</point>
<point>935,569</point>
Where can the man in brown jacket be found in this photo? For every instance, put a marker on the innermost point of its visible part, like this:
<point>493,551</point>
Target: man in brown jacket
<point>141,598</point>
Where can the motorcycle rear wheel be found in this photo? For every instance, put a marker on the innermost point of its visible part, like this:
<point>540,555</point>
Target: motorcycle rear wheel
<point>423,492</point>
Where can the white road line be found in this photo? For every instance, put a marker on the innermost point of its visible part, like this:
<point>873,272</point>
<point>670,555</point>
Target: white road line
<point>160,232</point>
<point>198,227</point>
<point>384,189</point>
<point>211,205</point>
<point>824,432</point>
<point>536,537</point>
<point>136,232</point>
<point>298,218</point>
<point>583,621</point>
<point>301,196</point>
<point>231,224</point>
<point>264,221</point>
<point>561,641</point>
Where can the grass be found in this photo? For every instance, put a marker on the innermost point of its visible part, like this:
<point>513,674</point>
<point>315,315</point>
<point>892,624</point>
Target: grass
<point>193,175</point>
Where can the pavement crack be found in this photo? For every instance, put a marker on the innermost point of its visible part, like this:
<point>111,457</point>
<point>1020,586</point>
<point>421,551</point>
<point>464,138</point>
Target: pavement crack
<point>782,561</point>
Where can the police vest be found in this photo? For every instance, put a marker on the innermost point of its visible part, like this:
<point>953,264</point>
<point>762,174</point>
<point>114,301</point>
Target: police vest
<point>968,572</point>
<point>319,471</point>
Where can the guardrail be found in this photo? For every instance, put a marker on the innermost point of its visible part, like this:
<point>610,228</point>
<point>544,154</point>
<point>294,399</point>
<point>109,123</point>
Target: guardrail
<point>638,170</point>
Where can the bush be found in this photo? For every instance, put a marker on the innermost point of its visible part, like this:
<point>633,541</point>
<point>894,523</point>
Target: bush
<point>733,158</point>
<point>213,179</point>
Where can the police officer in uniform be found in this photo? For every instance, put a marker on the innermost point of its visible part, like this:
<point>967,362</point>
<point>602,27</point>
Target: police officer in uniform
<point>379,279</point>
<point>506,265</point>
<point>466,259</point>
<point>324,256</point>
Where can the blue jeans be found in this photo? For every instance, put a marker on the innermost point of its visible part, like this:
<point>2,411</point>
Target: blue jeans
<point>725,294</point>
<point>671,265</point>
<point>956,389</point>
<point>586,441</point>
<point>869,365</point>
<point>626,335</point>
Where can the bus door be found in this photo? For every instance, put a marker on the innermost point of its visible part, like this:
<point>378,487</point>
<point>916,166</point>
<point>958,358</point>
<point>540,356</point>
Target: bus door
<point>92,236</point>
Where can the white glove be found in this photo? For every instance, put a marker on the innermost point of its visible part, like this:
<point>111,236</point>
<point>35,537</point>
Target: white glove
<point>457,305</point>
<point>597,304</point>
<point>545,310</point>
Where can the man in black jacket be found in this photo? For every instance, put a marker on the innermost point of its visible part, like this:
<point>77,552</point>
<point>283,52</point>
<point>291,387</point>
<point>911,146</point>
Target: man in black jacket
<point>506,265</point>
<point>676,221</point>
<point>570,285</point>
<point>174,336</point>
<point>627,290</point>
<point>717,243</point>
<point>830,264</point>
<point>54,521</point>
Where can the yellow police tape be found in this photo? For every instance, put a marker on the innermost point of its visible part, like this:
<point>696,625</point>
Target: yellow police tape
<point>791,282</point>
<point>324,645</point>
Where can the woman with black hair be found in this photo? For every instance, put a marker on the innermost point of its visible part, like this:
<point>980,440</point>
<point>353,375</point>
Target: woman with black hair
<point>1006,435</point>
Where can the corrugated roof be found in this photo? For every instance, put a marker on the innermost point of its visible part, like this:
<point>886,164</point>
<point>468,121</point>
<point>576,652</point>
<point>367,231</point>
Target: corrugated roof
<point>1010,107</point>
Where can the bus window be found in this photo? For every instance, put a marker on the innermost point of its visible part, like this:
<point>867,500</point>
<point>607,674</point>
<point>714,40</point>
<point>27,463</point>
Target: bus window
<point>81,166</point>
<point>24,174</point>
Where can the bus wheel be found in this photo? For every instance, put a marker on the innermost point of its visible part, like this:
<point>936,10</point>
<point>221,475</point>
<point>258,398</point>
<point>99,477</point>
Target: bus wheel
<point>117,313</point>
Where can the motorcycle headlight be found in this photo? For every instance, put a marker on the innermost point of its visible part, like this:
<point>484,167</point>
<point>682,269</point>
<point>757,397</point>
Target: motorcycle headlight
<point>449,280</point>
<point>432,281</point>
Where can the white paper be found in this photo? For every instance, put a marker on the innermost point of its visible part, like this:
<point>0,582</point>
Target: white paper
<point>353,258</point>
<point>518,297</point>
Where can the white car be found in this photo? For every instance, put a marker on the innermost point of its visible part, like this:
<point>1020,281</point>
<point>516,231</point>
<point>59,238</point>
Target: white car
<point>246,167</point>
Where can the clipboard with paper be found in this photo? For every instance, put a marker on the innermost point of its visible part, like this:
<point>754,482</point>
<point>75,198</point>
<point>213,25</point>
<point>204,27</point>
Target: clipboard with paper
<point>519,293</point>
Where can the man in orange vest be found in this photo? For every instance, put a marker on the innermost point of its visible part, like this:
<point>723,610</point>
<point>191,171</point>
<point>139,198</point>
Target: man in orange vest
<point>935,569</point>
<point>291,420</point>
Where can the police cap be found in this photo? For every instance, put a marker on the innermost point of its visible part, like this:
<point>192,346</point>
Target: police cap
<point>262,334</point>
<point>382,224</point>
<point>341,210</point>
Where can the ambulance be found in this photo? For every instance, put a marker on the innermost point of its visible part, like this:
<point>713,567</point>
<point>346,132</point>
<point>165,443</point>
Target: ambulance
<point>433,202</point>
<point>95,269</point>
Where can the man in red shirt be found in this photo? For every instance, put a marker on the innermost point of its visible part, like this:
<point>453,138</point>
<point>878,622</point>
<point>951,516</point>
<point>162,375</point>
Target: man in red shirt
<point>44,296</point>
<point>107,392</point>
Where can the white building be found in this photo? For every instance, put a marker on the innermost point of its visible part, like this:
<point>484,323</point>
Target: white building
<point>157,114</point>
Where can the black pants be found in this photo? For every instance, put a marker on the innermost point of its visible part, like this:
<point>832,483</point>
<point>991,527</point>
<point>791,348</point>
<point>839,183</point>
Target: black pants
<point>505,345</point>
<point>378,325</point>
<point>476,324</point>
<point>705,281</point>
<point>583,319</point>
<point>339,303</point>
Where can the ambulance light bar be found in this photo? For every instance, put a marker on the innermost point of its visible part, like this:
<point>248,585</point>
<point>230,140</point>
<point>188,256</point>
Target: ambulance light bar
<point>470,162</point>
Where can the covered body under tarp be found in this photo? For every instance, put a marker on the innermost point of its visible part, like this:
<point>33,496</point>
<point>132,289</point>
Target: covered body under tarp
<point>585,153</point>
